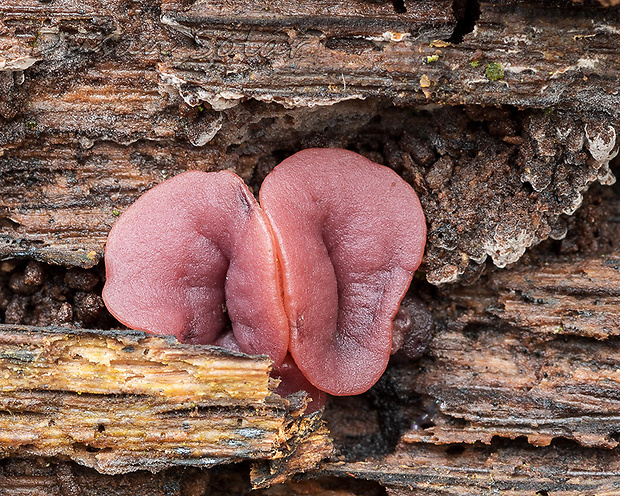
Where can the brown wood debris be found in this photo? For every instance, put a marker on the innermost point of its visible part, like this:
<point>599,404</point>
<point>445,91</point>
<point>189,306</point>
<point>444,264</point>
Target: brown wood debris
<point>321,52</point>
<point>577,297</point>
<point>461,470</point>
<point>310,62</point>
<point>306,447</point>
<point>504,364</point>
<point>494,383</point>
<point>501,114</point>
<point>121,401</point>
<point>45,477</point>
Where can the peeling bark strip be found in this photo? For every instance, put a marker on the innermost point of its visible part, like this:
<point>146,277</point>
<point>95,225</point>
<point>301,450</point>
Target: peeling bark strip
<point>563,297</point>
<point>457,470</point>
<point>330,53</point>
<point>295,55</point>
<point>318,53</point>
<point>123,401</point>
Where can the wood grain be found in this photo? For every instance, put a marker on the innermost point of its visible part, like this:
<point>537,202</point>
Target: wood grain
<point>501,115</point>
<point>120,401</point>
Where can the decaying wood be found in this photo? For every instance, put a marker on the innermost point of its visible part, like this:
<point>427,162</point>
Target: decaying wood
<point>306,447</point>
<point>360,58</point>
<point>101,103</point>
<point>460,470</point>
<point>500,379</point>
<point>496,383</point>
<point>322,52</point>
<point>120,401</point>
<point>580,297</point>
<point>44,477</point>
<point>57,478</point>
<point>518,392</point>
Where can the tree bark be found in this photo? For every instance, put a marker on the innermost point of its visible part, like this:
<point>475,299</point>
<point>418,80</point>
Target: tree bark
<point>121,401</point>
<point>502,115</point>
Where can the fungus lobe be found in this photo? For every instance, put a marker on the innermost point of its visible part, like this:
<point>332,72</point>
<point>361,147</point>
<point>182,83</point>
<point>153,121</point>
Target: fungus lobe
<point>190,251</point>
<point>350,235</point>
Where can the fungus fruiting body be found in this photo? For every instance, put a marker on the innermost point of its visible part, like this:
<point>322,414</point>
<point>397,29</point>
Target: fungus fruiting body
<point>190,251</point>
<point>342,225</point>
<point>317,270</point>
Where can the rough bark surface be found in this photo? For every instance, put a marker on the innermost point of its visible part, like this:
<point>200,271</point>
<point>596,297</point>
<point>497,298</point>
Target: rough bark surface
<point>122,401</point>
<point>502,115</point>
<point>100,103</point>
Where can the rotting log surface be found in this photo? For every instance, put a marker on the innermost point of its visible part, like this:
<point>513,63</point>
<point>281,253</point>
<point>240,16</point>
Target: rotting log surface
<point>547,55</point>
<point>563,470</point>
<point>120,401</point>
<point>518,392</point>
<point>101,102</point>
<point>510,405</point>
<point>322,52</point>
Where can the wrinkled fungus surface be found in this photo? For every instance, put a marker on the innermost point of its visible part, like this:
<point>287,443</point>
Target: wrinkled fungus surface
<point>342,224</point>
<point>317,270</point>
<point>190,251</point>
